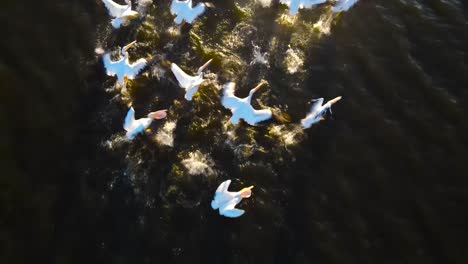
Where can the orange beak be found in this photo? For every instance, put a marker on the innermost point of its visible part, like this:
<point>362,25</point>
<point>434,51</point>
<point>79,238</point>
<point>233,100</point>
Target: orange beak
<point>335,100</point>
<point>246,192</point>
<point>259,85</point>
<point>161,114</point>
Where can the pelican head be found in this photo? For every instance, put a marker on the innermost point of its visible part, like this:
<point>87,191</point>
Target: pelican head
<point>262,83</point>
<point>246,192</point>
<point>125,48</point>
<point>335,100</point>
<point>204,66</point>
<point>161,114</point>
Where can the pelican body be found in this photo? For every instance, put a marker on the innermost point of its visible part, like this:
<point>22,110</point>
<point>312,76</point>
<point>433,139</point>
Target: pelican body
<point>344,5</point>
<point>187,82</point>
<point>241,108</point>
<point>122,14</point>
<point>295,5</point>
<point>226,201</point>
<point>135,127</point>
<point>184,11</point>
<point>317,111</point>
<point>123,68</point>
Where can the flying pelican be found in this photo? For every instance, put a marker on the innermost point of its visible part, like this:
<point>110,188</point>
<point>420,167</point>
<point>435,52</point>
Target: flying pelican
<point>123,68</point>
<point>344,5</point>
<point>122,13</point>
<point>317,111</point>
<point>184,11</point>
<point>226,201</point>
<point>241,108</point>
<point>135,127</point>
<point>295,5</point>
<point>189,83</point>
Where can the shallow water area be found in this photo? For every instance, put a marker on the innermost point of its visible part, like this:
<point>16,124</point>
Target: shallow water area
<point>383,179</point>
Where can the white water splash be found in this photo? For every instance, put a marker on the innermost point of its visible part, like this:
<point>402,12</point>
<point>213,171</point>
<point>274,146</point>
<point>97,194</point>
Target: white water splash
<point>287,136</point>
<point>198,163</point>
<point>264,3</point>
<point>165,135</point>
<point>324,23</point>
<point>258,56</point>
<point>293,61</point>
<point>158,72</point>
<point>99,51</point>
<point>344,5</point>
<point>295,5</point>
<point>115,142</point>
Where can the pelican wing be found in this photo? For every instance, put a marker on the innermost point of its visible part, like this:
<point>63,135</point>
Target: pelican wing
<point>229,209</point>
<point>195,12</point>
<point>111,66</point>
<point>129,119</point>
<point>178,6</point>
<point>223,186</point>
<point>257,116</point>
<point>229,99</point>
<point>114,9</point>
<point>135,68</point>
<point>183,78</point>
<point>344,5</point>
<point>316,105</point>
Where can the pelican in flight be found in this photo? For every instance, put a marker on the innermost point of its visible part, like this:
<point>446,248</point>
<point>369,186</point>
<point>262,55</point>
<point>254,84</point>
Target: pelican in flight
<point>123,68</point>
<point>189,83</point>
<point>295,5</point>
<point>122,13</point>
<point>184,11</point>
<point>344,5</point>
<point>317,111</point>
<point>241,108</point>
<point>226,201</point>
<point>135,127</point>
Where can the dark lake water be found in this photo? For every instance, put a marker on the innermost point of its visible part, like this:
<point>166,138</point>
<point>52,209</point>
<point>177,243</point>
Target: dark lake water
<point>382,180</point>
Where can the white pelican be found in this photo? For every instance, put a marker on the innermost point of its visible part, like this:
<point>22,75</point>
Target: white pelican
<point>123,68</point>
<point>135,127</point>
<point>189,83</point>
<point>226,201</point>
<point>122,13</point>
<point>344,5</point>
<point>241,108</point>
<point>295,5</point>
<point>317,111</point>
<point>184,11</point>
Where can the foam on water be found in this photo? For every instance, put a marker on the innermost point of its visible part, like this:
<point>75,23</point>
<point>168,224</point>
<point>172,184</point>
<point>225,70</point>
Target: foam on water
<point>293,61</point>
<point>264,3</point>
<point>258,56</point>
<point>198,163</point>
<point>165,135</point>
<point>287,135</point>
<point>323,25</point>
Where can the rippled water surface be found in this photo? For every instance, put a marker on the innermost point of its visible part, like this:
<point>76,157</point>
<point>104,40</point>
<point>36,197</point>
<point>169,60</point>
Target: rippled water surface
<point>382,180</point>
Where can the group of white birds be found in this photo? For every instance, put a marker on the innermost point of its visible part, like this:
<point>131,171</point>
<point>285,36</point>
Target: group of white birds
<point>240,108</point>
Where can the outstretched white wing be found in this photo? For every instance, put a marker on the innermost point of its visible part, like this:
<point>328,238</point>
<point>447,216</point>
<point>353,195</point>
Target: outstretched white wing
<point>316,105</point>
<point>178,6</point>
<point>135,68</point>
<point>223,186</point>
<point>195,12</point>
<point>111,66</point>
<point>229,209</point>
<point>114,9</point>
<point>344,5</point>
<point>183,78</point>
<point>229,99</point>
<point>257,116</point>
<point>129,119</point>
<point>295,5</point>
